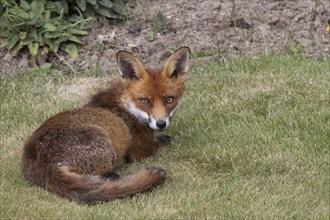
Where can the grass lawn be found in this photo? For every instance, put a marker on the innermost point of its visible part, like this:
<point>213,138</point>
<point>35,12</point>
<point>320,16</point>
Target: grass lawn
<point>251,141</point>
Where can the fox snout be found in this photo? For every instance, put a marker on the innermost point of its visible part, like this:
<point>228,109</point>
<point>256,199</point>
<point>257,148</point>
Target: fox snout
<point>159,124</point>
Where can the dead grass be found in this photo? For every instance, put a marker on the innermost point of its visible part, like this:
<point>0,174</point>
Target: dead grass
<point>80,88</point>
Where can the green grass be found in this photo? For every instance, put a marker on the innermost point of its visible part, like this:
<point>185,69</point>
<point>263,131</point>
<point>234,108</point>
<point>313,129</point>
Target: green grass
<point>251,141</point>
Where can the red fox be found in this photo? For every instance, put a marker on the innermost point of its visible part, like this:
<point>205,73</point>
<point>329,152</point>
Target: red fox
<point>74,153</point>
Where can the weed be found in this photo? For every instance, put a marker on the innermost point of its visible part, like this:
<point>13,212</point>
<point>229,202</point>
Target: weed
<point>159,23</point>
<point>151,36</point>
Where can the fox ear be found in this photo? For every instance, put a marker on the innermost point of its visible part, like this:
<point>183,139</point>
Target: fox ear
<point>178,63</point>
<point>130,67</point>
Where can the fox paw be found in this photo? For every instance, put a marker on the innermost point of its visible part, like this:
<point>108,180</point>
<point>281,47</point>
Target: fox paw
<point>112,176</point>
<point>165,139</point>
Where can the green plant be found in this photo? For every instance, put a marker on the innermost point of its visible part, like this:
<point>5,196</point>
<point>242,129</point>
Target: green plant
<point>292,46</point>
<point>151,36</point>
<point>159,23</point>
<point>40,26</point>
<point>44,26</point>
<point>107,8</point>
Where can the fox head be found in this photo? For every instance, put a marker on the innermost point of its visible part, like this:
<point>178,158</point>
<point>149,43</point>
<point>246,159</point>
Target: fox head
<point>153,95</point>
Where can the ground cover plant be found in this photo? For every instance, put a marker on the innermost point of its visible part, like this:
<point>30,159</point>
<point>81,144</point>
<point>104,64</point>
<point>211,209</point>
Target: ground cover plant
<point>251,140</point>
<point>45,26</point>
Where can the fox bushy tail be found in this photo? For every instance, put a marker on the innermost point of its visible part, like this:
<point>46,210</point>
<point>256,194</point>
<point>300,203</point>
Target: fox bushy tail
<point>91,189</point>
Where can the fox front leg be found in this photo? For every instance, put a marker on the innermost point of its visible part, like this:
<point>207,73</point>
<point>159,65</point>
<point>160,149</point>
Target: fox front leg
<point>164,139</point>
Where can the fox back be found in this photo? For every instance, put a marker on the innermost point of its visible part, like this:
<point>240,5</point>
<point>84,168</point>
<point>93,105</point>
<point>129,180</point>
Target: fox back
<point>75,152</point>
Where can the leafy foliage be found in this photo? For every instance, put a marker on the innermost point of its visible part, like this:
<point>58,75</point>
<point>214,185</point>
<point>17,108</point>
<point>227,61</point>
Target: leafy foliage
<point>42,26</point>
<point>107,8</point>
<point>159,23</point>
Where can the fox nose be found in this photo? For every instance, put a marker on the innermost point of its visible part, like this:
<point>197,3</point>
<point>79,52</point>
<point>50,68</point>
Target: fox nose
<point>161,124</point>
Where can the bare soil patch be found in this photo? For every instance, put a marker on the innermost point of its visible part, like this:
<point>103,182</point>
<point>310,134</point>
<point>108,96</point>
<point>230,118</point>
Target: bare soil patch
<point>210,27</point>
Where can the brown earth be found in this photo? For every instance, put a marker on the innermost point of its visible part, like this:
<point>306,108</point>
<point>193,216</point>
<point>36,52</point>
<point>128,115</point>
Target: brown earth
<point>210,27</point>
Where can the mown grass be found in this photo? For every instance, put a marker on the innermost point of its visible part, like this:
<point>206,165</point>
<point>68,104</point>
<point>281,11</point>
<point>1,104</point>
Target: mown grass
<point>251,141</point>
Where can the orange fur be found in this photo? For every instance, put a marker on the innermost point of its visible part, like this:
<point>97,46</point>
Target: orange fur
<point>73,153</point>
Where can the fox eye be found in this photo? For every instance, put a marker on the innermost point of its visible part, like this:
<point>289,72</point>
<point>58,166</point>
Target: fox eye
<point>144,101</point>
<point>169,99</point>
